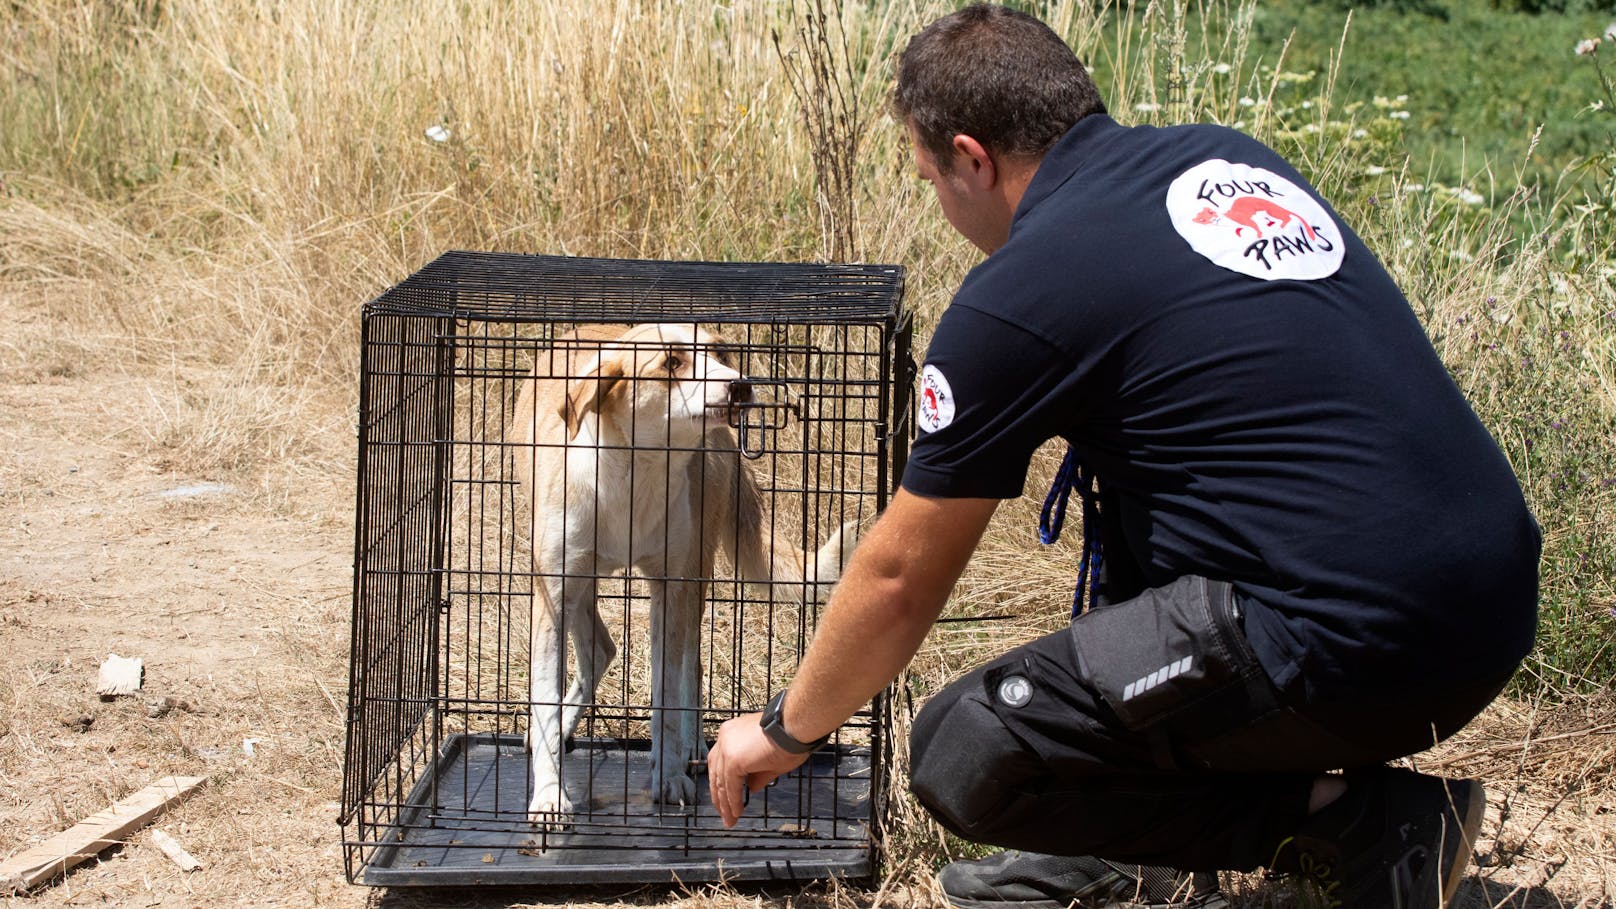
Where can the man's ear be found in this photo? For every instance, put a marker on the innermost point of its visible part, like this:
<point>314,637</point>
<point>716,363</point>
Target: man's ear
<point>585,393</point>
<point>973,162</point>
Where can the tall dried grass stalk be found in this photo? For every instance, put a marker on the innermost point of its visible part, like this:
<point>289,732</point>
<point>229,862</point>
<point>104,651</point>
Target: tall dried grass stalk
<point>820,73</point>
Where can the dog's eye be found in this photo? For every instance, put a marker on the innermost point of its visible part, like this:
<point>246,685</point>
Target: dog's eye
<point>673,363</point>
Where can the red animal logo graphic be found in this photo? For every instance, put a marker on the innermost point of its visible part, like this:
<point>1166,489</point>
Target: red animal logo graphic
<point>1247,211</point>
<point>936,400</point>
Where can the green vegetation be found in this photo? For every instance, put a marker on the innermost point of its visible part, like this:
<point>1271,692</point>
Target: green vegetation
<point>1479,83</point>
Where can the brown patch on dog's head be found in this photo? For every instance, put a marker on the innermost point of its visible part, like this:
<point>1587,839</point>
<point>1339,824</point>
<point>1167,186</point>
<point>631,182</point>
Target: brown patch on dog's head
<point>585,393</point>
<point>661,371</point>
<point>661,352</point>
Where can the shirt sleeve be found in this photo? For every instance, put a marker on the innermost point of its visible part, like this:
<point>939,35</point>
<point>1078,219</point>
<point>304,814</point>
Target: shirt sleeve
<point>990,394</point>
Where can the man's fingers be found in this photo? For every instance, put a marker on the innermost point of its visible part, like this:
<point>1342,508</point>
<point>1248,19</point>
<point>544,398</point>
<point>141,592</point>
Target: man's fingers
<point>732,793</point>
<point>723,789</point>
<point>727,788</point>
<point>715,786</point>
<point>734,799</point>
<point>731,766</point>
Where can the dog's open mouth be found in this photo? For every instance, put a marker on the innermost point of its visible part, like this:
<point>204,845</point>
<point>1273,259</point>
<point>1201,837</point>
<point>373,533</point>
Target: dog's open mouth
<point>728,412</point>
<point>738,397</point>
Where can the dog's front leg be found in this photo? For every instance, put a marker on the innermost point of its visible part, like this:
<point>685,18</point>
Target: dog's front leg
<point>684,637</point>
<point>676,738</point>
<point>546,733</point>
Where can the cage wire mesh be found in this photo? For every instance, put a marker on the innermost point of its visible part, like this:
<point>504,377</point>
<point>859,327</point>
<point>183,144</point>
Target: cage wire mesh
<point>731,416</point>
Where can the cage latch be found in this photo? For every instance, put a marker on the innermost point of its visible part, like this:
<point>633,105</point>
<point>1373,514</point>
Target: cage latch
<point>770,407</point>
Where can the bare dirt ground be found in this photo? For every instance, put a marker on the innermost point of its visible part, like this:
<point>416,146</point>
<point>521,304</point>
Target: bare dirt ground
<point>234,588</point>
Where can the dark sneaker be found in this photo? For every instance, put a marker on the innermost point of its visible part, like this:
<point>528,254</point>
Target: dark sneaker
<point>1031,880</point>
<point>1395,839</point>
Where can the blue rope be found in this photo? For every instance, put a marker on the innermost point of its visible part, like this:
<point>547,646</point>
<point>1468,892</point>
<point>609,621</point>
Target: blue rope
<point>1072,475</point>
<point>1054,514</point>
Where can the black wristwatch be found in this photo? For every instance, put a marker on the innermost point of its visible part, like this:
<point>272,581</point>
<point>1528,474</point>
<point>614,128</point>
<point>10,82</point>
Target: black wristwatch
<point>774,727</point>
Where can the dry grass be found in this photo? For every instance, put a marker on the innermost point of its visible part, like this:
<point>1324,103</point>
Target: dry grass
<point>196,197</point>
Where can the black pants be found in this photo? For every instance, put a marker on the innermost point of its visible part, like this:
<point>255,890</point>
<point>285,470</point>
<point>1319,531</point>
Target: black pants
<point>1148,733</point>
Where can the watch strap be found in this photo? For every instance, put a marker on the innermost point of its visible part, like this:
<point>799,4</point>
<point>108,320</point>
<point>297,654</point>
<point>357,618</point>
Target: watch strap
<point>774,727</point>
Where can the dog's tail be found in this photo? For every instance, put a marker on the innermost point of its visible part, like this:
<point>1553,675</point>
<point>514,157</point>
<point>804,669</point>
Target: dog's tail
<point>758,549</point>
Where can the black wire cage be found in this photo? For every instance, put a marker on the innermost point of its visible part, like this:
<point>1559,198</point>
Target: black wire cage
<point>662,464</point>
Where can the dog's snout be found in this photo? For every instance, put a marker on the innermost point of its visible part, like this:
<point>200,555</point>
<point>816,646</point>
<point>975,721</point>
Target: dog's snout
<point>740,392</point>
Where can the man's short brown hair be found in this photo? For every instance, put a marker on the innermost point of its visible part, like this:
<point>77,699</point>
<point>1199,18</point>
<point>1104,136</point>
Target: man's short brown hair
<point>997,75</point>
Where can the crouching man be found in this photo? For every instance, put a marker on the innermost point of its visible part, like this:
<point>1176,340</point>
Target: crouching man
<point>1303,552</point>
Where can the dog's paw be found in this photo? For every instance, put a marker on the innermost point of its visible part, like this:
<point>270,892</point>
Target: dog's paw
<point>550,807</point>
<point>676,791</point>
<point>830,558</point>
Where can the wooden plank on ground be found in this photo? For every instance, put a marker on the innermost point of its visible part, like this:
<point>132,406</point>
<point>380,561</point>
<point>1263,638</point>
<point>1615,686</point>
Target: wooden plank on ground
<point>93,835</point>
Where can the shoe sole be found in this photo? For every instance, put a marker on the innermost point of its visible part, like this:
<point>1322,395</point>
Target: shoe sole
<point>960,902</point>
<point>963,903</point>
<point>1203,901</point>
<point>1470,813</point>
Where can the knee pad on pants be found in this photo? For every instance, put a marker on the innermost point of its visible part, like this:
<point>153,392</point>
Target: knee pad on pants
<point>965,767</point>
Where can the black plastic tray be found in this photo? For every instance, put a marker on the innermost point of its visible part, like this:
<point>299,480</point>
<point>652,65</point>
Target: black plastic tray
<point>466,823</point>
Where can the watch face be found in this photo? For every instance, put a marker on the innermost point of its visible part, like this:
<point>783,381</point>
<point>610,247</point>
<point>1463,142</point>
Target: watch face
<point>775,729</point>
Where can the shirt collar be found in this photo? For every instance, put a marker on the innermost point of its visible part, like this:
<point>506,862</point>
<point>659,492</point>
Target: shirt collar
<point>1065,158</point>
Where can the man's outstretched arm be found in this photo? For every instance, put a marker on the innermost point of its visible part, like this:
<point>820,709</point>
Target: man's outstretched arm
<point>892,591</point>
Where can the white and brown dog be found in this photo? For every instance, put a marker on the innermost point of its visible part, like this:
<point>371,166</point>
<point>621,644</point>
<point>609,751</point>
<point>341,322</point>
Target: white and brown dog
<point>625,453</point>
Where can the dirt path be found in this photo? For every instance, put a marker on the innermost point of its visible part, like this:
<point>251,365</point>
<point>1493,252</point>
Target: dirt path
<point>234,593</point>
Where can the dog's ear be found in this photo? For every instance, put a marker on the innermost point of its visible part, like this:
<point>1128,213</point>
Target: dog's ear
<point>585,393</point>
<point>715,344</point>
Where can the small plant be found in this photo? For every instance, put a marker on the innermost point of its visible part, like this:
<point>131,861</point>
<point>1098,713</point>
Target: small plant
<point>1585,217</point>
<point>820,72</point>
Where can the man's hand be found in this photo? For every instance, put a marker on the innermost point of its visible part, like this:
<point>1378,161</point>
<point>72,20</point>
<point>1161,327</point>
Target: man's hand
<point>744,760</point>
<point>892,591</point>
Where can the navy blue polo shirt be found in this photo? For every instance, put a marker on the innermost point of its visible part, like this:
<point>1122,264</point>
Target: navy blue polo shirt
<point>1258,399</point>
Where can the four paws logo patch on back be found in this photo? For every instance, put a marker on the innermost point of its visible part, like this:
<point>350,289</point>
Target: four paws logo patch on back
<point>1254,221</point>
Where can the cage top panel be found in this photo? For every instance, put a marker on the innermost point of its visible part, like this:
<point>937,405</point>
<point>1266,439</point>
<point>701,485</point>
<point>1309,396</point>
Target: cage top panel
<point>510,287</point>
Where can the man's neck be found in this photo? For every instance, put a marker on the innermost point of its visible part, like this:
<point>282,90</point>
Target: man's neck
<point>1017,175</point>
